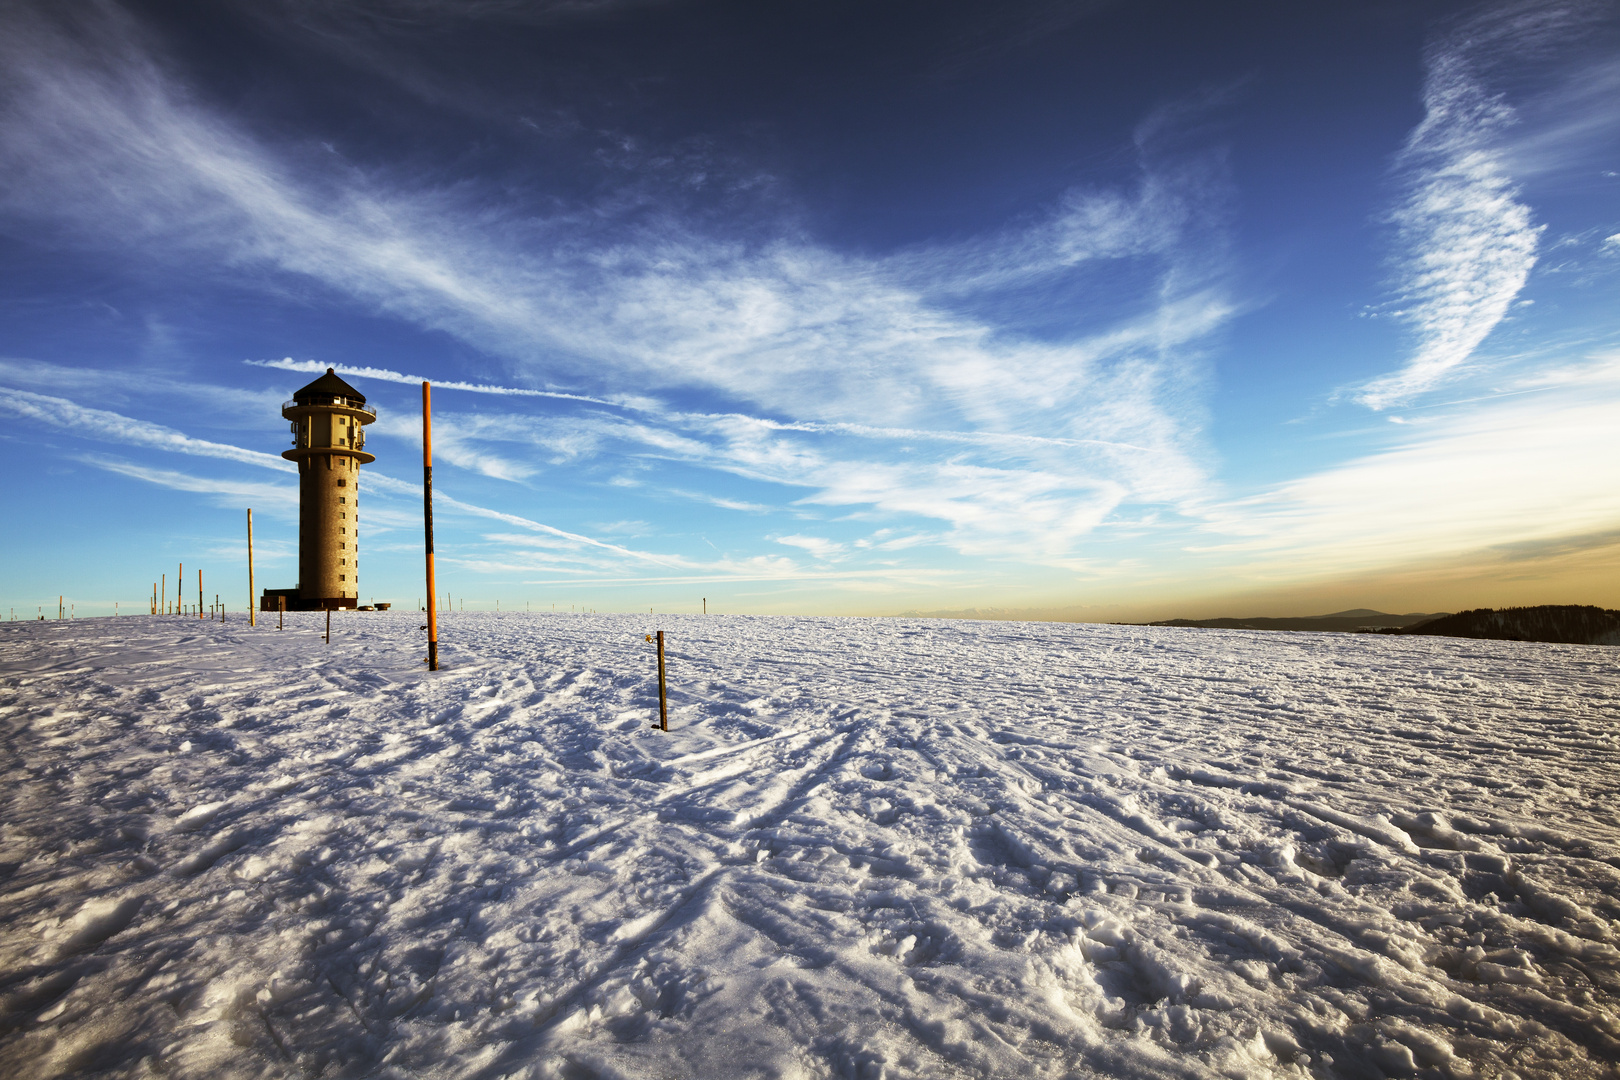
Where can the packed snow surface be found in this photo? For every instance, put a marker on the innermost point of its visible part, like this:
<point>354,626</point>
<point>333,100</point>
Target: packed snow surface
<point>865,848</point>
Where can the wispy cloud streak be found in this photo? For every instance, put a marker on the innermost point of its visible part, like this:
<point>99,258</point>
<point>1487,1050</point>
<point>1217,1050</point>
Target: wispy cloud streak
<point>864,347</point>
<point>274,499</point>
<point>315,367</point>
<point>106,426</point>
<point>1521,467</point>
<point>1468,241</point>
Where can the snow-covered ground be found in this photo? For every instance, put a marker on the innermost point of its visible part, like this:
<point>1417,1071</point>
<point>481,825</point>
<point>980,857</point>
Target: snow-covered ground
<point>866,848</point>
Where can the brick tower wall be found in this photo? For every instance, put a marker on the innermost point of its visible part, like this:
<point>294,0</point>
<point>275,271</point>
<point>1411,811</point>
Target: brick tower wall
<point>328,526</point>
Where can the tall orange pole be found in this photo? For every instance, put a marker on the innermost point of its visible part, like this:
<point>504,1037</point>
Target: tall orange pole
<point>427,524</point>
<point>199,593</point>
<point>253,601</point>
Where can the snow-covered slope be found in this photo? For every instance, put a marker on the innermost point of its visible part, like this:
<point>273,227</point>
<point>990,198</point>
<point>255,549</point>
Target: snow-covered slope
<point>896,848</point>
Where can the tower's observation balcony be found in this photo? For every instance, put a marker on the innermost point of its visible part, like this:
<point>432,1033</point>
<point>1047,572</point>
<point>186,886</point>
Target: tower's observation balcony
<point>328,424</point>
<point>327,401</point>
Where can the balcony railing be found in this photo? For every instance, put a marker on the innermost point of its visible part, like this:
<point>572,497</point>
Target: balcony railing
<point>327,399</point>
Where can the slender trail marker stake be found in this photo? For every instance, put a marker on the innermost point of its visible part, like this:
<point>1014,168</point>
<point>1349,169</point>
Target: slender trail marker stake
<point>253,606</point>
<point>329,626</point>
<point>199,594</point>
<point>663,703</point>
<point>427,523</point>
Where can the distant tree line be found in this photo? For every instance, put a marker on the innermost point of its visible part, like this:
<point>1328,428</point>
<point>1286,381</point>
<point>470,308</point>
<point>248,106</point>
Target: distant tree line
<point>1570,624</point>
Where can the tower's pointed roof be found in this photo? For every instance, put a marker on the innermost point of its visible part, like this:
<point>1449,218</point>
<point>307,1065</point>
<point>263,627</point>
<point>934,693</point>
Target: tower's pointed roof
<point>329,385</point>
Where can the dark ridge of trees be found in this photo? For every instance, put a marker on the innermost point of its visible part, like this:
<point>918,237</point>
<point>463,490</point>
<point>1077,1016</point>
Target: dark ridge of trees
<point>1569,624</point>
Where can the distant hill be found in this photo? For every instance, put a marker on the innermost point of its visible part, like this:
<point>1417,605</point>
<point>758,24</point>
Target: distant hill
<point>1355,619</point>
<point>1570,624</point>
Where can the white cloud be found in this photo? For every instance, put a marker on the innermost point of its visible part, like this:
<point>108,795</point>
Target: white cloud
<point>819,547</point>
<point>274,499</point>
<point>316,367</point>
<point>1468,243</point>
<point>107,426</point>
<point>873,349</point>
<point>1523,468</point>
<point>1468,239</point>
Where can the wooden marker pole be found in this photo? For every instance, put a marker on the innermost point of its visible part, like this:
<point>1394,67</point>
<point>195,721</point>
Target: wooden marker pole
<point>199,594</point>
<point>663,701</point>
<point>179,588</point>
<point>281,609</point>
<point>163,597</point>
<point>427,523</point>
<point>253,601</point>
<point>329,626</point>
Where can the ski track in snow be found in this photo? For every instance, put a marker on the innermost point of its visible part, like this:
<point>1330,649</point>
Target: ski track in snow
<point>866,848</point>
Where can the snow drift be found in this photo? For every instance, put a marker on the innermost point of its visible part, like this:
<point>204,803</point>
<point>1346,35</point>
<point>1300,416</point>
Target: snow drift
<point>867,848</point>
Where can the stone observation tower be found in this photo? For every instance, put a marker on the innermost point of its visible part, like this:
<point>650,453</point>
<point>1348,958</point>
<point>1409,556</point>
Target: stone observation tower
<point>328,426</point>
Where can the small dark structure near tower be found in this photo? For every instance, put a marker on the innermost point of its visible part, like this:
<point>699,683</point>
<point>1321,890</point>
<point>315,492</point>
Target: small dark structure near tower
<point>328,424</point>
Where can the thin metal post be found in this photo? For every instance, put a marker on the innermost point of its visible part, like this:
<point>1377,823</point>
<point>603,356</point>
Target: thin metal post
<point>253,601</point>
<point>427,524</point>
<point>663,701</point>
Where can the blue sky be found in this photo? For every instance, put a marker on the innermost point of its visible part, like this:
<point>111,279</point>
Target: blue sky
<point>1080,310</point>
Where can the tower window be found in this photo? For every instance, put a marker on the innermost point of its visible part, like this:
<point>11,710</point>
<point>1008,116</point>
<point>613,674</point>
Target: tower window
<point>343,483</point>
<point>343,577</point>
<point>343,498</point>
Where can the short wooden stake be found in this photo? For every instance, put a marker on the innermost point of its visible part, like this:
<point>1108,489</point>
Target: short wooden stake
<point>663,700</point>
